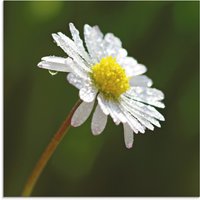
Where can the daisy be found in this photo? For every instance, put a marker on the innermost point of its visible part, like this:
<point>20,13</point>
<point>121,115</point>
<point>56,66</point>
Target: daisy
<point>104,72</point>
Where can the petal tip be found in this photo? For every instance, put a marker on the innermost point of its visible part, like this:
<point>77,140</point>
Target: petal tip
<point>86,100</point>
<point>39,64</point>
<point>74,123</point>
<point>87,97</point>
<point>129,145</point>
<point>96,132</point>
<point>54,36</point>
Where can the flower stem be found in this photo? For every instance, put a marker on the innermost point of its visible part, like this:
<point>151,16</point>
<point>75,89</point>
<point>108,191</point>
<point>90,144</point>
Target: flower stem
<point>46,155</point>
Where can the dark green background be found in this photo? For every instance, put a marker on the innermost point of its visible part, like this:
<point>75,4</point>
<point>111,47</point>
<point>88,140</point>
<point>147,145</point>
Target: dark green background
<point>161,35</point>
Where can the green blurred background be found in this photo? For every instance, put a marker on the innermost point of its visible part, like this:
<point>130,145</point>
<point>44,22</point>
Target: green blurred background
<point>161,35</point>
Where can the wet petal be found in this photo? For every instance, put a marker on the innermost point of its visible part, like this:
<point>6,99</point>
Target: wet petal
<point>150,96</point>
<point>142,80</point>
<point>131,66</point>
<point>76,81</point>
<point>70,48</point>
<point>54,63</point>
<point>94,42</point>
<point>102,104</point>
<point>132,121</point>
<point>82,113</point>
<point>128,136</point>
<point>99,121</point>
<point>146,110</point>
<point>112,45</point>
<point>88,93</point>
<point>79,43</point>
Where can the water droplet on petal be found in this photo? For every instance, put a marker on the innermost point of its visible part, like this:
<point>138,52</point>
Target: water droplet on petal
<point>53,72</point>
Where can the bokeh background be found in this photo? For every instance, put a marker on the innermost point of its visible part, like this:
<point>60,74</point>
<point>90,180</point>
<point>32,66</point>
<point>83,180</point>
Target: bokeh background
<point>161,35</point>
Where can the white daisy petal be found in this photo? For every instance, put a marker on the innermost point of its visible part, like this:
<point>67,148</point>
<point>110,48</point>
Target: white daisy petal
<point>140,118</point>
<point>156,103</point>
<point>138,69</point>
<point>135,70</point>
<point>54,59</point>
<point>135,130</point>
<point>112,45</point>
<point>76,81</point>
<point>122,53</point>
<point>151,119</point>
<point>150,96</point>
<point>77,70</point>
<point>143,108</point>
<point>147,92</point>
<point>134,124</point>
<point>81,114</point>
<point>149,110</point>
<point>69,47</point>
<point>114,110</point>
<point>127,61</point>
<point>117,112</point>
<point>112,113</point>
<point>87,93</point>
<point>112,40</point>
<point>54,63</point>
<point>94,42</point>
<point>142,80</point>
<point>135,112</point>
<point>99,121</point>
<point>79,43</point>
<point>102,104</point>
<point>128,136</point>
<point>132,67</point>
<point>124,112</point>
<point>133,127</point>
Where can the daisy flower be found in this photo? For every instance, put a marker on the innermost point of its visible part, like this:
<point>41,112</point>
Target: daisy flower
<point>104,72</point>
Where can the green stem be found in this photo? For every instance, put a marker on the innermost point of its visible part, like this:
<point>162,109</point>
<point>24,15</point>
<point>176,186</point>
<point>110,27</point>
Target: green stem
<point>46,155</point>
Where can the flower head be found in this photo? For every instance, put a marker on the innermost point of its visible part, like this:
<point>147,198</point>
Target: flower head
<point>105,72</point>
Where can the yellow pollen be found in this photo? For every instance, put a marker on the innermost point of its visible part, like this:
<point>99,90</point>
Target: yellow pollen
<point>110,78</point>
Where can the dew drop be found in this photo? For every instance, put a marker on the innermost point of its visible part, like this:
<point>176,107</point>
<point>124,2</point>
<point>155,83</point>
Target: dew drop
<point>53,72</point>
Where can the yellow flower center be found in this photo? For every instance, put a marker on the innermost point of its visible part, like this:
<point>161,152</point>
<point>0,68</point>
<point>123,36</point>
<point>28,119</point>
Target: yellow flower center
<point>110,78</point>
